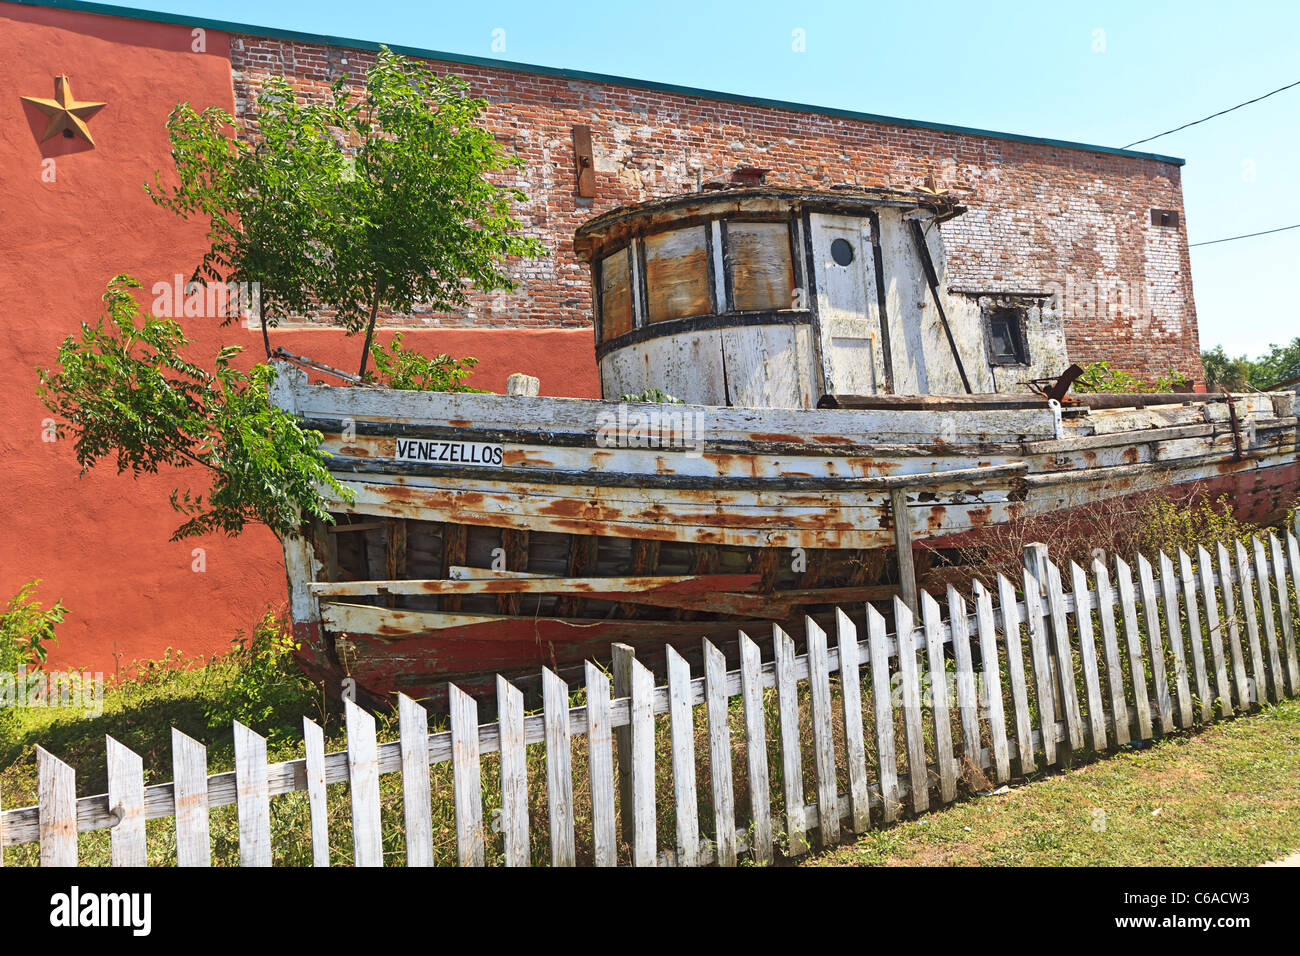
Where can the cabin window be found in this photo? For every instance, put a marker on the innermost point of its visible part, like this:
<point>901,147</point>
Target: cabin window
<point>615,296</point>
<point>758,260</point>
<point>1005,337</point>
<point>677,274</point>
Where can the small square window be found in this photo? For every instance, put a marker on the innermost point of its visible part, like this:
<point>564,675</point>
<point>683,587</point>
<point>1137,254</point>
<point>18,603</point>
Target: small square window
<point>1006,338</point>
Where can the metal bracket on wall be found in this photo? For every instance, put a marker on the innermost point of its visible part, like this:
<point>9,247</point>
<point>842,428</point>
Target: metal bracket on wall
<point>584,163</point>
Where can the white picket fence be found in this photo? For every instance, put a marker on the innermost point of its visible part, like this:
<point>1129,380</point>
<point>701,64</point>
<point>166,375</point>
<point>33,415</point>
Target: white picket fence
<point>1032,714</point>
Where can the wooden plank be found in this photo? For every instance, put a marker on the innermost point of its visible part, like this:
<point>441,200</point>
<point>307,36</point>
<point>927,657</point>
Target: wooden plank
<point>1069,693</point>
<point>466,780</point>
<point>559,768</point>
<point>1042,667</point>
<point>1270,624</point>
<point>819,694</point>
<point>600,765</point>
<point>1214,625</point>
<point>642,751</point>
<point>1246,578</point>
<point>1088,657</point>
<point>881,692</point>
<point>751,692</point>
<point>988,643</point>
<point>1240,680</point>
<point>1110,645</point>
<point>253,803</point>
<point>620,666</point>
<point>681,726</point>
<point>1293,560</point>
<point>910,700</point>
<point>413,726</point>
<point>1174,627</point>
<point>791,758</point>
<point>313,738</point>
<point>363,779</point>
<point>56,790</point>
<point>126,798</point>
<point>855,751</point>
<point>455,541</point>
<point>903,546</point>
<point>1010,611</point>
<point>721,788</point>
<point>967,696</point>
<point>1284,609</point>
<point>514,773</point>
<point>515,583</point>
<point>190,783</point>
<point>1035,562</point>
<point>1133,641</point>
<point>1151,614</point>
<point>1195,636</point>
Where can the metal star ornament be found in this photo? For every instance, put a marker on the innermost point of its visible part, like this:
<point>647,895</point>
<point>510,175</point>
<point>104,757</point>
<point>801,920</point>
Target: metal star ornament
<point>67,115</point>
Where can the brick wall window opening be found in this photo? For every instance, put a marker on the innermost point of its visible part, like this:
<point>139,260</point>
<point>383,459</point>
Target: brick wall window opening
<point>1005,337</point>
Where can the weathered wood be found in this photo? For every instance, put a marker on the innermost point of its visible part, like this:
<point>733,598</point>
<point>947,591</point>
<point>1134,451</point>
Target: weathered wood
<point>819,694</point>
<point>1069,693</point>
<point>1133,640</point>
<point>413,726</point>
<point>313,738</point>
<point>363,778</point>
<point>1284,609</point>
<point>1246,579</point>
<point>642,751</point>
<point>903,546</point>
<point>514,542</point>
<point>394,553</point>
<point>620,668</point>
<point>988,644</point>
<point>967,696</point>
<point>1151,613</point>
<point>1196,638</point>
<point>254,801</point>
<point>56,789</point>
<point>681,726</point>
<point>881,691</point>
<point>1222,689</point>
<point>1088,657</point>
<point>1239,676</point>
<point>126,799</point>
<point>514,773</point>
<point>1293,560</point>
<point>787,690</point>
<point>1266,613</point>
<point>190,783</point>
<point>1036,558</point>
<point>1038,652</point>
<point>1110,644</point>
<point>751,691</point>
<point>720,780</point>
<point>559,768</point>
<point>600,766</point>
<point>855,752</point>
<point>455,540</point>
<point>910,700</point>
<point>1010,611</point>
<point>1174,627</point>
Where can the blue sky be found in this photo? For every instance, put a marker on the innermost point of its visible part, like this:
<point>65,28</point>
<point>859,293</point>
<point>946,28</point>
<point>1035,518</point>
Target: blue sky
<point>1038,68</point>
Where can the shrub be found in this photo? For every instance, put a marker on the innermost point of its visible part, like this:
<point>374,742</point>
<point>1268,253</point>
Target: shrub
<point>26,628</point>
<point>1101,377</point>
<point>265,689</point>
<point>410,370</point>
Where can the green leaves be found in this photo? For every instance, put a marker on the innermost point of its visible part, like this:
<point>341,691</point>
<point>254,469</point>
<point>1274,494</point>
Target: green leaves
<point>26,627</point>
<point>402,368</point>
<point>126,391</point>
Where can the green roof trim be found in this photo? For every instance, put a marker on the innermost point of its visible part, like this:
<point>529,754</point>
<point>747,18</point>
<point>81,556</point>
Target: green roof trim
<point>276,33</point>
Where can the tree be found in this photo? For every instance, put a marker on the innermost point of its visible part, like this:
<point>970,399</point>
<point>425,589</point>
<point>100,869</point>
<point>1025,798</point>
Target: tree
<point>372,199</point>
<point>1223,371</point>
<point>1279,364</point>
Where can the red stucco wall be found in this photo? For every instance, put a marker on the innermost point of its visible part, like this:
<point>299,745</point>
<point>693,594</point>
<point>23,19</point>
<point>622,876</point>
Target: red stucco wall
<point>100,542</point>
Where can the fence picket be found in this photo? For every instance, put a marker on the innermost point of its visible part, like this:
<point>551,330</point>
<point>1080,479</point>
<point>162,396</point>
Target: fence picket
<point>600,766</point>
<point>1195,637</point>
<point>787,702</point>
<point>1064,659</point>
<point>559,767</point>
<point>1042,667</point>
<point>819,706</point>
<point>1151,612</point>
<point>1174,629</point>
<point>313,739</point>
<point>855,750</point>
<point>642,748</point>
<point>1213,624</point>
<point>620,668</point>
<point>1088,657</point>
<point>1284,608</point>
<point>190,786</point>
<point>720,782</point>
<point>936,661</point>
<point>1266,612</point>
<point>1224,563</point>
<point>1010,612</point>
<point>1110,644</point>
<point>1293,560</point>
<point>514,773</point>
<point>1246,580</point>
<point>413,728</point>
<point>363,776</point>
<point>967,701</point>
<point>681,725</point>
<point>253,802</point>
<point>880,693</point>
<point>56,789</point>
<point>988,644</point>
<point>1133,640</point>
<point>126,798</point>
<point>918,773</point>
<point>760,799</point>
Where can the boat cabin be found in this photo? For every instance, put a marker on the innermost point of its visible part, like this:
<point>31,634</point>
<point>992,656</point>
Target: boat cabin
<point>772,298</point>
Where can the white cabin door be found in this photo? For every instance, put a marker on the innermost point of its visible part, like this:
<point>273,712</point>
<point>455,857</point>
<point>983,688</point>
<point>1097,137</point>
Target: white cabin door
<point>848,311</point>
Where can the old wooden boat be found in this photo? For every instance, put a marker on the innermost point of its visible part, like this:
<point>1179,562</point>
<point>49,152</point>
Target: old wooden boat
<point>843,413</point>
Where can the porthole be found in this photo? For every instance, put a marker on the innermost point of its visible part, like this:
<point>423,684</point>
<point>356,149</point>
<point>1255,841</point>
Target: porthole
<point>841,252</point>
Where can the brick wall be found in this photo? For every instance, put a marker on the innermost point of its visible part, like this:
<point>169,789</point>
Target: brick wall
<point>1041,217</point>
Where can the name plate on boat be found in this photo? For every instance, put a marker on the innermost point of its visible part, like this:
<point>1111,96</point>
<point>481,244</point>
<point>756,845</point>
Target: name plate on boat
<point>449,452</point>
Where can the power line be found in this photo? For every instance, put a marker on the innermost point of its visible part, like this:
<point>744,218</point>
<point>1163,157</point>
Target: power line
<point>1212,115</point>
<point>1248,235</point>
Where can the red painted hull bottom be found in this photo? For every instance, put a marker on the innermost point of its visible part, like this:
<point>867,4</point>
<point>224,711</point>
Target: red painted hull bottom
<point>422,665</point>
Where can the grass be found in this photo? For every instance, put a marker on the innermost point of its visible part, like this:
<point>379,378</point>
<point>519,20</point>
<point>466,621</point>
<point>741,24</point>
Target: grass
<point>1228,795</point>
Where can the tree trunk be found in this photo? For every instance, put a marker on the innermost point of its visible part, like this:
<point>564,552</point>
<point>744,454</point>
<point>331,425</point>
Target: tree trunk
<point>370,331</point>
